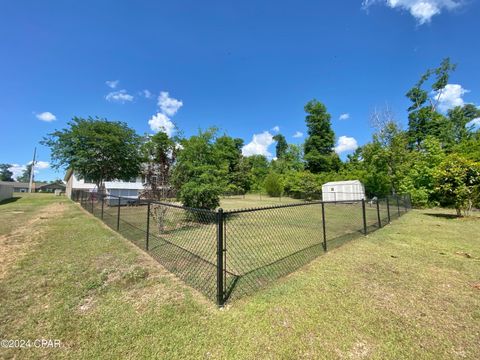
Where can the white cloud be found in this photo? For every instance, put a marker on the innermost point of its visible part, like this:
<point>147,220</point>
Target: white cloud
<point>46,116</point>
<point>276,128</point>
<point>346,143</point>
<point>147,94</point>
<point>421,10</point>
<point>41,165</point>
<point>450,96</point>
<point>345,116</point>
<point>259,145</point>
<point>112,83</point>
<point>169,106</point>
<point>120,96</point>
<point>475,123</point>
<point>298,134</point>
<point>161,122</point>
<point>18,169</point>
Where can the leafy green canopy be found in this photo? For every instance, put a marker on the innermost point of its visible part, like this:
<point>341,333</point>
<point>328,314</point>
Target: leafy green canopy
<point>281,147</point>
<point>457,182</point>
<point>200,171</point>
<point>274,185</point>
<point>5,173</point>
<point>319,154</point>
<point>158,156</point>
<point>96,149</point>
<point>25,176</point>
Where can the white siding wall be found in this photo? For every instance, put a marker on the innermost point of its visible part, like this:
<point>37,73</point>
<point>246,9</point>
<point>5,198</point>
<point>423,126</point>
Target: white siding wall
<point>343,191</point>
<point>6,192</point>
<point>118,188</point>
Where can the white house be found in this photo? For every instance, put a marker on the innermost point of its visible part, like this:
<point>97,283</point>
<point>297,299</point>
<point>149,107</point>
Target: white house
<point>349,190</point>
<point>128,189</point>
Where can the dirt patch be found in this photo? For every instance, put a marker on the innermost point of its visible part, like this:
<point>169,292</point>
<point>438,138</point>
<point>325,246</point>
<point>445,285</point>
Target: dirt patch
<point>14,245</point>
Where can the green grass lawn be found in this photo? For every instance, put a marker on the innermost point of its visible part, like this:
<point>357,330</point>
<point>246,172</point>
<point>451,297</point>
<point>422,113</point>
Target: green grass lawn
<point>408,291</point>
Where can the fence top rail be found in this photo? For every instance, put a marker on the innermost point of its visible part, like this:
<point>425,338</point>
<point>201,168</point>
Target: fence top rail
<point>306,203</point>
<point>242,210</point>
<point>146,201</point>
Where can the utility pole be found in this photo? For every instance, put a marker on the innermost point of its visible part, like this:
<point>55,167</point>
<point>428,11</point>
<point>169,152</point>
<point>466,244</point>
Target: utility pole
<point>32,168</point>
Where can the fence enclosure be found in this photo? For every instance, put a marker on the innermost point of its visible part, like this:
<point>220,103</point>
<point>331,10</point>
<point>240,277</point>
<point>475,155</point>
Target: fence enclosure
<point>229,253</point>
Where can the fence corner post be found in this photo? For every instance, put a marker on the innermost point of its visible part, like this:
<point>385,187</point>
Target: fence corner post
<point>364,217</point>
<point>378,214</point>
<point>388,210</point>
<point>118,213</point>
<point>103,204</point>
<point>324,229</point>
<point>220,264</point>
<point>147,237</point>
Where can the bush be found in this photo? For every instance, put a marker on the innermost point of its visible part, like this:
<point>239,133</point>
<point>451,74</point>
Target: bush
<point>200,195</point>
<point>457,181</point>
<point>303,185</point>
<point>273,185</point>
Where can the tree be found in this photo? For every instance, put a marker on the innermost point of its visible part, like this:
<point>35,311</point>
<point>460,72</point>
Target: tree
<point>423,117</point>
<point>230,151</point>
<point>392,145</point>
<point>96,149</point>
<point>281,147</point>
<point>273,185</point>
<point>25,177</point>
<point>199,173</point>
<point>459,117</point>
<point>457,181</point>
<point>158,156</point>
<point>303,185</point>
<point>5,173</point>
<point>319,154</point>
<point>418,180</point>
<point>290,161</point>
<point>258,168</point>
<point>470,147</point>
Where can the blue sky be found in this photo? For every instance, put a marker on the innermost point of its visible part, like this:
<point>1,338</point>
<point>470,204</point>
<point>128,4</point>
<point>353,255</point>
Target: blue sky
<point>244,66</point>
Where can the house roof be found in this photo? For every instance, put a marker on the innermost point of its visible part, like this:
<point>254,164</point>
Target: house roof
<point>68,174</point>
<point>16,184</point>
<point>344,182</point>
<point>52,185</point>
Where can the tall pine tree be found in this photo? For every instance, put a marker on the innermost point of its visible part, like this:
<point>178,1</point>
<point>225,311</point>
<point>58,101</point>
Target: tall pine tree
<point>319,154</point>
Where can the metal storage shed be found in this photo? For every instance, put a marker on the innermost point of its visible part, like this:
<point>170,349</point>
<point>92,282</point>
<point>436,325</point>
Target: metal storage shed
<point>349,190</point>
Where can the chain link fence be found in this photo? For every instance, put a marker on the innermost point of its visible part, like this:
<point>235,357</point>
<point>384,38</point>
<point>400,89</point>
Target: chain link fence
<point>227,254</point>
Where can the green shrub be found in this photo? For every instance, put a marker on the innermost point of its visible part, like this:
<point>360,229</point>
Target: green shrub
<point>200,195</point>
<point>273,185</point>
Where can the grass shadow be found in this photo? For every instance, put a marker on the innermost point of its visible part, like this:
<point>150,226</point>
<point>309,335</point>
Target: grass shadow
<point>443,216</point>
<point>8,201</point>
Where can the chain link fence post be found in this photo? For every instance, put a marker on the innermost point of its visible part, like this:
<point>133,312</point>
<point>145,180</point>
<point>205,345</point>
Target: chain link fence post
<point>324,228</point>
<point>378,214</point>
<point>91,197</point>
<point>388,210</point>
<point>103,201</point>
<point>398,205</point>
<point>118,214</point>
<point>220,264</point>
<point>147,236</point>
<point>364,218</point>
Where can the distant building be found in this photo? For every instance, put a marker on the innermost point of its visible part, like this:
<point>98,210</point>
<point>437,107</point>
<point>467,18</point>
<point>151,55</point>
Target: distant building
<point>126,189</point>
<point>349,190</point>
<point>50,188</point>
<point>6,190</point>
<point>18,186</point>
